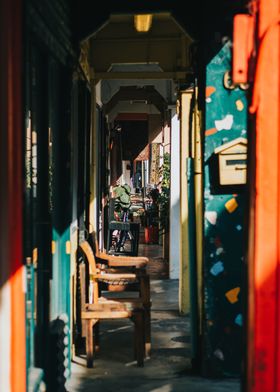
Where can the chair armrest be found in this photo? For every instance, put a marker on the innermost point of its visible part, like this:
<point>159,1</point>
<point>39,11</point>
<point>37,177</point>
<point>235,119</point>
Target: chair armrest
<point>126,263</point>
<point>108,276</point>
<point>122,261</point>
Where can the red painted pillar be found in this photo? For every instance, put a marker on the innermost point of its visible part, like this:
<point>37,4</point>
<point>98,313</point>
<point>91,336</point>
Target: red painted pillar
<point>12,302</point>
<point>264,298</point>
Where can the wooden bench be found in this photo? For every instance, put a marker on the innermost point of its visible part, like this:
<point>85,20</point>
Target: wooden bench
<point>102,309</point>
<point>127,265</point>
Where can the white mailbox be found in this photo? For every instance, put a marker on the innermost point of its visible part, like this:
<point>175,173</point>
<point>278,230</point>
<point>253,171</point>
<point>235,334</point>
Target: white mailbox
<point>232,159</point>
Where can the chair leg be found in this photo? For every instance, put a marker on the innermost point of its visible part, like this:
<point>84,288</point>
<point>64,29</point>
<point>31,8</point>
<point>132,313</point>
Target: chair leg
<point>89,342</point>
<point>145,295</point>
<point>84,328</point>
<point>138,319</point>
<point>96,337</point>
<point>147,321</point>
<point>147,334</point>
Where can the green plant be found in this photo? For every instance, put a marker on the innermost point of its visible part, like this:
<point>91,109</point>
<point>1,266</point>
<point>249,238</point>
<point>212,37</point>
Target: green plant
<point>122,198</point>
<point>164,195</point>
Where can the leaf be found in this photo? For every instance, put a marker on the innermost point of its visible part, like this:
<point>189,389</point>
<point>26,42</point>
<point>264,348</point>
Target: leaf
<point>127,188</point>
<point>124,198</point>
<point>118,190</point>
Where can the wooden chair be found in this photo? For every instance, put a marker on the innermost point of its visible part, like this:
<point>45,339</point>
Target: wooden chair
<point>102,308</point>
<point>125,274</point>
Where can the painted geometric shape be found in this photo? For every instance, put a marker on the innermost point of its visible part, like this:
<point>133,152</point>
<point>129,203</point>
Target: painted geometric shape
<point>211,216</point>
<point>231,205</point>
<point>225,123</point>
<point>232,295</point>
<point>219,251</point>
<point>209,91</point>
<point>210,131</point>
<point>239,105</point>
<point>217,268</point>
<point>239,320</point>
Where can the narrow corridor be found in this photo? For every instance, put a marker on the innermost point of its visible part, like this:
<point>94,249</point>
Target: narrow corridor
<point>181,105</point>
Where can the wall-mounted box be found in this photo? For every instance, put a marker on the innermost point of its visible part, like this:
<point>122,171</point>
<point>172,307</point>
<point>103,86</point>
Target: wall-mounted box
<point>232,159</point>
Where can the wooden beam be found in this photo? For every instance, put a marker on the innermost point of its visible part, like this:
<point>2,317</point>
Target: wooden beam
<point>179,75</point>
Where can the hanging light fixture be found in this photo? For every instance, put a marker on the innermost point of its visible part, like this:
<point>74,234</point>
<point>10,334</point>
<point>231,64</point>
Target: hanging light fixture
<point>143,23</point>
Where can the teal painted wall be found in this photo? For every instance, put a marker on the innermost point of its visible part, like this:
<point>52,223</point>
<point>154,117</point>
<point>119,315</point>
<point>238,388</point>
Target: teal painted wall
<point>225,120</point>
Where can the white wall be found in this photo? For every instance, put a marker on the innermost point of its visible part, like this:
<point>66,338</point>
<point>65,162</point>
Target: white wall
<point>125,179</point>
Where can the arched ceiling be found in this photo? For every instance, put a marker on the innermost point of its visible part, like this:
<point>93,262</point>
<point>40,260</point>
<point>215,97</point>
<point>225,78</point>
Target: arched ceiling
<point>117,42</point>
<point>135,94</point>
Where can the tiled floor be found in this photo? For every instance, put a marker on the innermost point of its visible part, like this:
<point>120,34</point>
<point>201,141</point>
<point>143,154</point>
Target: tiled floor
<point>157,267</point>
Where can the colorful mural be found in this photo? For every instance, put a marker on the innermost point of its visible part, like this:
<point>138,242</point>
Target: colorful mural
<point>225,120</point>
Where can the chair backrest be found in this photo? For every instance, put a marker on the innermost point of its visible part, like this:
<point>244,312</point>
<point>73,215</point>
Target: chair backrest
<point>86,248</point>
<point>82,287</point>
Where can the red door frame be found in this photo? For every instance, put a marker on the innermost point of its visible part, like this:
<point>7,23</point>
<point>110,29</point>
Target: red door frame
<point>11,175</point>
<point>263,361</point>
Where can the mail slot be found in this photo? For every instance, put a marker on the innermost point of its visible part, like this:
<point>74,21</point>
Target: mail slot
<point>232,161</point>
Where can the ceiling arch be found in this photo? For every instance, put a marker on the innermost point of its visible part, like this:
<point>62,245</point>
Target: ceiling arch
<point>146,94</point>
<point>166,44</point>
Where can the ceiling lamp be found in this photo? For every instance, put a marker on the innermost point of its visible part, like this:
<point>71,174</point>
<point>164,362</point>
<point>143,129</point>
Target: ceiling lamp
<point>143,23</point>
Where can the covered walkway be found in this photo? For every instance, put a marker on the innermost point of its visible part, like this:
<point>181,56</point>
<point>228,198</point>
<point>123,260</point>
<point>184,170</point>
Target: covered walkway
<point>189,103</point>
